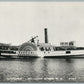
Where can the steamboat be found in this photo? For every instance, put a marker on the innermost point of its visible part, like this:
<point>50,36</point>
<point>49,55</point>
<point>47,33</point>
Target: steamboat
<point>36,49</point>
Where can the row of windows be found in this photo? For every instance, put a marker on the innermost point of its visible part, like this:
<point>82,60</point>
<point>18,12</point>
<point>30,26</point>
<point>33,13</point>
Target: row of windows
<point>67,43</point>
<point>6,48</point>
<point>59,48</point>
<point>51,48</point>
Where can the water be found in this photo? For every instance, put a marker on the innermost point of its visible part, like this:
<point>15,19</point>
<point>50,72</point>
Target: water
<point>42,70</point>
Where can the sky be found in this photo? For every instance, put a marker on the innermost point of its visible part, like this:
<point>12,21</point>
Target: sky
<point>19,21</point>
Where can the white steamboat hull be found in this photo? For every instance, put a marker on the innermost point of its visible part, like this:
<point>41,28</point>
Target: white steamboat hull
<point>24,54</point>
<point>9,55</point>
<point>63,53</point>
<point>72,53</point>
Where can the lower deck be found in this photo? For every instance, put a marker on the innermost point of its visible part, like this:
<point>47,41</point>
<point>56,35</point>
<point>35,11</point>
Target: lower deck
<point>25,54</point>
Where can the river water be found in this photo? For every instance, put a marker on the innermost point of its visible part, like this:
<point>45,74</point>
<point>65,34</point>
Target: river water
<point>42,70</point>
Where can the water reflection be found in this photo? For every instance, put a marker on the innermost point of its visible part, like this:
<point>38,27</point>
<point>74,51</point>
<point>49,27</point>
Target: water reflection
<point>59,69</point>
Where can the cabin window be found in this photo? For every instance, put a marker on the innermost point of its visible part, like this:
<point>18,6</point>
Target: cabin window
<point>71,43</point>
<point>42,48</point>
<point>49,49</point>
<point>66,43</point>
<point>46,49</point>
<point>67,52</point>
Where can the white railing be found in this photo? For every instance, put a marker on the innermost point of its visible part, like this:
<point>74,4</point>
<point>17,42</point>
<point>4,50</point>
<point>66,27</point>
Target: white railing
<point>27,53</point>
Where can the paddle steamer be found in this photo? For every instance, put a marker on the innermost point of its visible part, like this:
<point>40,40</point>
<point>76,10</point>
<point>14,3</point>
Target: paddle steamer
<point>36,49</point>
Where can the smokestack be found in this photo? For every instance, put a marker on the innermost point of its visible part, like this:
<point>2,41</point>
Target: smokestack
<point>46,36</point>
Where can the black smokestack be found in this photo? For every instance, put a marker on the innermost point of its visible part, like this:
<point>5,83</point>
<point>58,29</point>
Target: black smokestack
<point>46,36</point>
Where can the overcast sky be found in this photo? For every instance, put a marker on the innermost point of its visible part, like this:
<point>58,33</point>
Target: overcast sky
<point>21,20</point>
